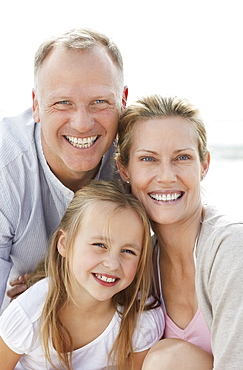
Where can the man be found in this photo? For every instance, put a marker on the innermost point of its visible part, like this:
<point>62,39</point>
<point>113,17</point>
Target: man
<point>50,152</point>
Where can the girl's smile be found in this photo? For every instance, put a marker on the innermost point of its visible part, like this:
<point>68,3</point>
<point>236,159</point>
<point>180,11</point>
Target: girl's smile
<point>105,254</point>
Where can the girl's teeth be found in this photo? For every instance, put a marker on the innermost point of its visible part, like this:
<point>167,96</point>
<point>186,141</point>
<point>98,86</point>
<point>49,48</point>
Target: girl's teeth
<point>105,278</point>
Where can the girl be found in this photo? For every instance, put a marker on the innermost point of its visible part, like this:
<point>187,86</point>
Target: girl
<point>86,314</point>
<point>198,263</point>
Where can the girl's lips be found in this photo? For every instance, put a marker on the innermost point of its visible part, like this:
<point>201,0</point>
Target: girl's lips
<point>106,280</point>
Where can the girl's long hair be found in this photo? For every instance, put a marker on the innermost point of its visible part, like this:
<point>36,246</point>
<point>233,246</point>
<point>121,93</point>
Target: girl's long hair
<point>132,300</point>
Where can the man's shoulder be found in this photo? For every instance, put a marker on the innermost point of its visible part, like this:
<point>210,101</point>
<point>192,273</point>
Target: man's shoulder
<point>16,136</point>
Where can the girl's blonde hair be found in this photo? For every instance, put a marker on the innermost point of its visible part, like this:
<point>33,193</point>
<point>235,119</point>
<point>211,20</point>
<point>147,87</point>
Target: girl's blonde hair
<point>61,278</point>
<point>156,106</point>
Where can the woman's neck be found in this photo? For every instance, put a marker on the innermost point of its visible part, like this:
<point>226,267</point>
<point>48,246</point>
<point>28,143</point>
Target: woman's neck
<point>177,241</point>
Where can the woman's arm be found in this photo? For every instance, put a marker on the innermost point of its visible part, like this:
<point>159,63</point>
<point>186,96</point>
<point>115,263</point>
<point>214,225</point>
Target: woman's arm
<point>220,292</point>
<point>8,358</point>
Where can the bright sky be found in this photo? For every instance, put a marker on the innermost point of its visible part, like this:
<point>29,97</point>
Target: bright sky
<point>184,47</point>
<point>190,48</point>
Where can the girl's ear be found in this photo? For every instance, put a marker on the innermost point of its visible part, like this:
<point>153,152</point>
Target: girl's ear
<point>122,170</point>
<point>61,244</point>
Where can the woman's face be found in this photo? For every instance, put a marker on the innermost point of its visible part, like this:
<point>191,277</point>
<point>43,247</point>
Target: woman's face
<point>165,169</point>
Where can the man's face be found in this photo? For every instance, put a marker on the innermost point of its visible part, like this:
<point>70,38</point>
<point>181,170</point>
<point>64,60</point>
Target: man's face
<point>78,102</point>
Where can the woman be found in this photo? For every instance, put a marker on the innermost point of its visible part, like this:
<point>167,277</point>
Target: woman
<point>198,264</point>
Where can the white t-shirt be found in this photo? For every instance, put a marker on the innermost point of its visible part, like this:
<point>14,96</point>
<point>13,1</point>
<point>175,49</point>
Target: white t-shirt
<point>19,329</point>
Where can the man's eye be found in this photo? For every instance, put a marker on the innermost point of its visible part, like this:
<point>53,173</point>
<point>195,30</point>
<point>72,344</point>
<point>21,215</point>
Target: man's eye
<point>62,102</point>
<point>99,101</point>
<point>99,104</point>
<point>183,157</point>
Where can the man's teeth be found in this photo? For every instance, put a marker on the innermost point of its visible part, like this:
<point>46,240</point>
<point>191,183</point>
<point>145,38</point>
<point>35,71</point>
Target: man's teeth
<point>81,143</point>
<point>165,197</point>
<point>105,278</point>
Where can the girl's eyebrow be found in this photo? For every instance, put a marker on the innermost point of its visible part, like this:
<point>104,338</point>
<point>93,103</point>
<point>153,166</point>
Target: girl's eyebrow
<point>102,238</point>
<point>154,152</point>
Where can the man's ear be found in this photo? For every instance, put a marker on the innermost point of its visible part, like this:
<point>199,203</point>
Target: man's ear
<point>122,170</point>
<point>124,97</point>
<point>61,244</point>
<point>35,107</point>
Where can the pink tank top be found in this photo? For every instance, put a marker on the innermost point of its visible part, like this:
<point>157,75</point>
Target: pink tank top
<point>196,332</point>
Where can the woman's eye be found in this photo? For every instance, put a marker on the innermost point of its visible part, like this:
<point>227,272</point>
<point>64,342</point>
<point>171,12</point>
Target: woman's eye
<point>147,159</point>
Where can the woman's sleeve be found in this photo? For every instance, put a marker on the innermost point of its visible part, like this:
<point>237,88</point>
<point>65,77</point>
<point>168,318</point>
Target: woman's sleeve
<point>225,294</point>
<point>149,329</point>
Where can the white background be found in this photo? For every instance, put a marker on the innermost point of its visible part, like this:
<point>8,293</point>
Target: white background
<point>191,48</point>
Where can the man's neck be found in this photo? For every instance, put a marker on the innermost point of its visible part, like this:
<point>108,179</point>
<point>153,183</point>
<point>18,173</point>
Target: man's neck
<point>77,181</point>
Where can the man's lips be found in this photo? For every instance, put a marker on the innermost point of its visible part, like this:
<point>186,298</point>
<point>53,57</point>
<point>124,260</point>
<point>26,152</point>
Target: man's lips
<point>82,143</point>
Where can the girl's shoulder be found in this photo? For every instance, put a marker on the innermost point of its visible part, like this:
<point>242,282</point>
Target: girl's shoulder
<point>149,329</point>
<point>19,321</point>
<point>31,302</point>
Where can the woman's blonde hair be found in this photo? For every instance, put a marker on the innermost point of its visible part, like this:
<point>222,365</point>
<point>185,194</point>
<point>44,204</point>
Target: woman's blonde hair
<point>156,106</point>
<point>60,276</point>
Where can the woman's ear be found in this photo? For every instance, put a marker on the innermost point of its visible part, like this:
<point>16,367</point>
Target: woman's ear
<point>61,244</point>
<point>122,170</point>
<point>205,166</point>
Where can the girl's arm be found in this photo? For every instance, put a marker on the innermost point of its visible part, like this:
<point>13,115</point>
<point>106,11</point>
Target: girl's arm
<point>8,358</point>
<point>138,359</point>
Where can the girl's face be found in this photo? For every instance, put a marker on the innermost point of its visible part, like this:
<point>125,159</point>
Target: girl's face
<point>165,169</point>
<point>105,263</point>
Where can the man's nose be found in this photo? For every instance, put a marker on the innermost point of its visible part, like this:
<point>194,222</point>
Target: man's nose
<point>82,119</point>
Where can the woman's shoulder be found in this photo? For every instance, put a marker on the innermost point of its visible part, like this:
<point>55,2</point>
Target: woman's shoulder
<point>215,219</point>
<point>219,232</point>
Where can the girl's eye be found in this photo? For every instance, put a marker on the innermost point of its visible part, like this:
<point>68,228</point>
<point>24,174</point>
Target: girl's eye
<point>129,251</point>
<point>99,245</point>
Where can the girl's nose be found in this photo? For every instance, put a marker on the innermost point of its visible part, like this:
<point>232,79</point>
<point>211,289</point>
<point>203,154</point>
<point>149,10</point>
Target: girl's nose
<point>111,261</point>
